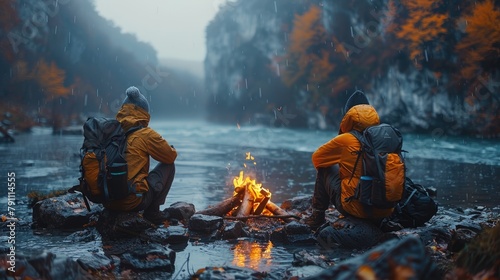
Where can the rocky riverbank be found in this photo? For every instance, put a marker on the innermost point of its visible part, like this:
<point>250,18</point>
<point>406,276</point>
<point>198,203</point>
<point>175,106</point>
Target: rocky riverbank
<point>130,247</point>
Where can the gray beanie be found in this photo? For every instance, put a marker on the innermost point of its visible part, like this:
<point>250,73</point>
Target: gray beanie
<point>135,97</point>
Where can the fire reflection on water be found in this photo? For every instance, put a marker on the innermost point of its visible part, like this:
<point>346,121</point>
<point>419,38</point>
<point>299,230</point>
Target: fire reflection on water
<point>255,255</point>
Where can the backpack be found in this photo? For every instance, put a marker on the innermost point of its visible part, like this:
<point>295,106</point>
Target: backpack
<point>103,168</point>
<point>383,170</point>
<point>416,208</point>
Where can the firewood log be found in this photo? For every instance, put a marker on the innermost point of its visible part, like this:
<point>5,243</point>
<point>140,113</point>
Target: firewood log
<point>223,207</point>
<point>276,210</point>
<point>246,206</point>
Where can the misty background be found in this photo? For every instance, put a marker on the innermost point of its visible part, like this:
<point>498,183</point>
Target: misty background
<point>426,66</point>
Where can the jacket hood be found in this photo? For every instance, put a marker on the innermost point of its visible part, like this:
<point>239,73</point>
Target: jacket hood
<point>131,115</point>
<point>359,117</point>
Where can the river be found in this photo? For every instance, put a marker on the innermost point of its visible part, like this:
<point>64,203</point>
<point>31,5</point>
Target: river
<point>465,172</point>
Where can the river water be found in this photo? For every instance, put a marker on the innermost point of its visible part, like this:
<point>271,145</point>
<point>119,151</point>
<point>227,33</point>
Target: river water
<point>465,172</point>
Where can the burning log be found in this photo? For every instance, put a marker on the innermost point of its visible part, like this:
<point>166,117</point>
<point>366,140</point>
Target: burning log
<point>276,210</point>
<point>246,206</point>
<point>263,202</point>
<point>223,207</point>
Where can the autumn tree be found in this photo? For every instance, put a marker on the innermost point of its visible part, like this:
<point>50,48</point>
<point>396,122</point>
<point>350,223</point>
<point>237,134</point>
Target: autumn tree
<point>479,50</point>
<point>308,60</point>
<point>420,28</point>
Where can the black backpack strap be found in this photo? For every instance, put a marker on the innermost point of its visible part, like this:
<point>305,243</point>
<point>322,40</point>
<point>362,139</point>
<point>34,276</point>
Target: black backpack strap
<point>358,136</point>
<point>133,129</point>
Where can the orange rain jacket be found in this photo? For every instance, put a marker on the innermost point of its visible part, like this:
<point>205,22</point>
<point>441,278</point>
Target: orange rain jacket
<point>140,145</point>
<point>341,150</point>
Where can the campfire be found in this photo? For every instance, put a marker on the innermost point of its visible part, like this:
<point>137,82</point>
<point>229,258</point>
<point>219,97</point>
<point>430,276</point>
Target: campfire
<point>249,200</point>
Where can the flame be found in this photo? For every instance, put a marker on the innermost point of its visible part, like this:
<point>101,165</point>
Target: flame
<point>257,191</point>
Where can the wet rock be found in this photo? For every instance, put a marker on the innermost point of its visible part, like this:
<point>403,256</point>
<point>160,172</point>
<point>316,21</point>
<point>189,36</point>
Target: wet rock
<point>299,233</point>
<point>228,272</point>
<point>87,235</point>
<point>233,230</point>
<point>304,258</point>
<point>97,262</point>
<point>63,212</point>
<point>152,257</point>
<point>45,266</point>
<point>278,235</point>
<point>181,210</point>
<point>349,233</point>
<point>300,203</point>
<point>114,225</point>
<point>460,237</point>
<point>167,235</point>
<point>204,223</point>
<point>395,257</point>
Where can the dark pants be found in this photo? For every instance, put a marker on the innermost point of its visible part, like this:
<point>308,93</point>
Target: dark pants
<point>327,189</point>
<point>159,181</point>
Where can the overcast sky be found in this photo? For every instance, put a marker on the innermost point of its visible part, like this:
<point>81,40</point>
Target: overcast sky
<point>175,28</point>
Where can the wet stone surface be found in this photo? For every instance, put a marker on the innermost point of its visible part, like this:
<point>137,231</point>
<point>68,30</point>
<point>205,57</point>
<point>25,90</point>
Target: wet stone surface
<point>133,247</point>
<point>63,212</point>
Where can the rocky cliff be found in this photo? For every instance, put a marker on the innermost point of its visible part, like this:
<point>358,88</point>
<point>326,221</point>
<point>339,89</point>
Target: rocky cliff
<point>420,62</point>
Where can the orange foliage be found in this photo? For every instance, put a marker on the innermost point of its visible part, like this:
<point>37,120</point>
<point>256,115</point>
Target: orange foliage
<point>422,25</point>
<point>308,59</point>
<point>51,80</point>
<point>482,40</point>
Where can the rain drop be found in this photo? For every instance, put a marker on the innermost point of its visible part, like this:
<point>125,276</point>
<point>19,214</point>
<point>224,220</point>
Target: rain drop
<point>275,7</point>
<point>352,32</point>
<point>426,56</point>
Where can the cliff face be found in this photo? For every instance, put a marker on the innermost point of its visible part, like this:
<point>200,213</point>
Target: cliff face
<point>241,72</point>
<point>308,56</point>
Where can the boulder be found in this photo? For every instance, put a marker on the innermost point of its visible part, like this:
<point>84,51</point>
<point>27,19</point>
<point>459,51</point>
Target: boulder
<point>152,257</point>
<point>181,210</point>
<point>44,266</point>
<point>350,233</point>
<point>97,262</point>
<point>299,233</point>
<point>233,230</point>
<point>205,223</point>
<point>300,203</point>
<point>63,212</point>
<point>168,235</point>
<point>405,258</point>
<point>115,225</point>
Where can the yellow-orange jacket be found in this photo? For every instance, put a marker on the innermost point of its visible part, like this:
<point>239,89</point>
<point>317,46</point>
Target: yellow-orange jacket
<point>342,150</point>
<point>141,145</point>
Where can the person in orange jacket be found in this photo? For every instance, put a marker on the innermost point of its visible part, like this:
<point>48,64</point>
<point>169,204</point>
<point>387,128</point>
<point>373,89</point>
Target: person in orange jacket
<point>335,161</point>
<point>151,188</point>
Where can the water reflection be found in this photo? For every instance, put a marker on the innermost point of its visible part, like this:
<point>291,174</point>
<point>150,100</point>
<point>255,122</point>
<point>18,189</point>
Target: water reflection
<point>255,255</point>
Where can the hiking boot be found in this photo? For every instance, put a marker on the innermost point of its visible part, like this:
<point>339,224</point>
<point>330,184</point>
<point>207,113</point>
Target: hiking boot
<point>316,219</point>
<point>156,218</point>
